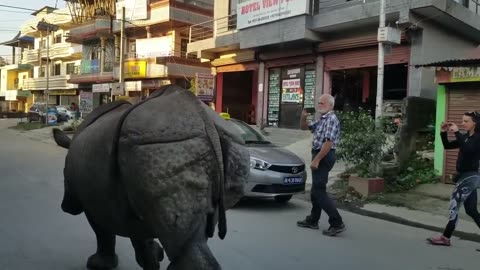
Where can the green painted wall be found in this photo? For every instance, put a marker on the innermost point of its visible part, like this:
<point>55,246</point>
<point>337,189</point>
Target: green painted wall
<point>441,113</point>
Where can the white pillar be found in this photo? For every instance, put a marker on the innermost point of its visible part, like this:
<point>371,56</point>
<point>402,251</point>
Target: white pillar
<point>319,79</point>
<point>260,94</point>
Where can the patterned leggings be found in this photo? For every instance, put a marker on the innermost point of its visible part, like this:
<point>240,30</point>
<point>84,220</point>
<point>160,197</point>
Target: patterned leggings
<point>465,192</point>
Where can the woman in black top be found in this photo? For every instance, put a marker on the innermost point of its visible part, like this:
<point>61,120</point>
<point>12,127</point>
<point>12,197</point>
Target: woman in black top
<point>467,178</point>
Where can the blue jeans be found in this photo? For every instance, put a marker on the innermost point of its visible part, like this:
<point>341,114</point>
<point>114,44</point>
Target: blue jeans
<point>319,197</point>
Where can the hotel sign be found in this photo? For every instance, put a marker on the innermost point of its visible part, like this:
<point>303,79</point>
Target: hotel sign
<point>256,12</point>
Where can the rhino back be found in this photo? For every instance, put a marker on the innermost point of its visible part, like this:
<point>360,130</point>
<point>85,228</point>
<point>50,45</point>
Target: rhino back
<point>168,162</point>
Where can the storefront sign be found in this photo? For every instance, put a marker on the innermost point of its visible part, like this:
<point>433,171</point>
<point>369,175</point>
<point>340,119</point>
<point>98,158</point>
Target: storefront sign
<point>11,95</point>
<point>133,86</point>
<point>292,91</point>
<point>135,69</point>
<point>457,74</point>
<point>255,12</point>
<point>86,102</point>
<point>273,97</point>
<point>101,88</point>
<point>204,86</point>
<point>309,101</point>
<point>62,92</point>
<point>155,47</point>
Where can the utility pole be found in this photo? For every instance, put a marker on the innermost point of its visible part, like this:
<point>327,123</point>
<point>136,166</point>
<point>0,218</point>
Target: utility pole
<point>122,51</point>
<point>44,26</point>
<point>381,68</point>
<point>48,74</point>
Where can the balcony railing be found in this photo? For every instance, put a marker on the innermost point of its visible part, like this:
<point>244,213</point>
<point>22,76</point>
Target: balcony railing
<point>212,28</point>
<point>40,83</point>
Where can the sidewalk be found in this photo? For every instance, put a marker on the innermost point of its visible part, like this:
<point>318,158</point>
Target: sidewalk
<point>424,207</point>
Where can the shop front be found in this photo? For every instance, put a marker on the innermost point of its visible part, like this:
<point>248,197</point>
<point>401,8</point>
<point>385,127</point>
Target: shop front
<point>290,89</point>
<point>458,92</point>
<point>237,85</point>
<point>350,72</point>
<point>63,97</point>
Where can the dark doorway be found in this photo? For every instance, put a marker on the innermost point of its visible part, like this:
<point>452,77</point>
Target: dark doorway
<point>237,94</point>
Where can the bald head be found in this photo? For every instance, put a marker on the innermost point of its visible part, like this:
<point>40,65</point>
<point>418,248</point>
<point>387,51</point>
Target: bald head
<point>326,103</point>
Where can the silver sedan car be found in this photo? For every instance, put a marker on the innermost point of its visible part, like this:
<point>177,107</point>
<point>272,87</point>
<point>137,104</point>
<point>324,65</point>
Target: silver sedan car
<point>274,171</point>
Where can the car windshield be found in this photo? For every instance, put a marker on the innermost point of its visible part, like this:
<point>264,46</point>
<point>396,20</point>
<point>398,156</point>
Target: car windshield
<point>248,134</point>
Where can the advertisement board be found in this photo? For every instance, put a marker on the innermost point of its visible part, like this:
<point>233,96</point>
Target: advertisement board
<point>155,47</point>
<point>205,85</point>
<point>135,69</point>
<point>86,102</point>
<point>255,12</point>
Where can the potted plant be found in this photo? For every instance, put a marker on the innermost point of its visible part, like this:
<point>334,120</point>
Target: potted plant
<point>362,145</point>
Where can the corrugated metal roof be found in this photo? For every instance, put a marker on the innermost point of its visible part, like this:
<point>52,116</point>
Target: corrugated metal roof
<point>453,63</point>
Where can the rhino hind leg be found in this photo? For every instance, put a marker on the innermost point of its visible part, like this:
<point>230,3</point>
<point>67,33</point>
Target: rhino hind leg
<point>148,254</point>
<point>71,204</point>
<point>105,257</point>
<point>195,254</point>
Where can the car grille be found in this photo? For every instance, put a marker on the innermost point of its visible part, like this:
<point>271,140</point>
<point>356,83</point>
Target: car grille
<point>277,189</point>
<point>287,169</point>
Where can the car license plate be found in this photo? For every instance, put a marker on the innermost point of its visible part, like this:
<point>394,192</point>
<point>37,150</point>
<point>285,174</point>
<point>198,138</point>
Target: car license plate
<point>292,180</point>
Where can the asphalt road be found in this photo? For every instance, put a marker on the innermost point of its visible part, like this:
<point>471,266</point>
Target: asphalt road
<point>36,234</point>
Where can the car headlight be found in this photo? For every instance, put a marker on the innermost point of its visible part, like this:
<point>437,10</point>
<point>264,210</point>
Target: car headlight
<point>259,164</point>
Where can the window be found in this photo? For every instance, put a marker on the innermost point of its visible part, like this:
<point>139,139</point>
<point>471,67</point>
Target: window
<point>41,72</point>
<point>43,44</point>
<point>183,47</point>
<point>58,39</point>
<point>70,68</point>
<point>57,69</point>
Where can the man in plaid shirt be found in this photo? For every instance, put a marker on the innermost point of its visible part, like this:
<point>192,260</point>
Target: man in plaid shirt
<point>326,131</point>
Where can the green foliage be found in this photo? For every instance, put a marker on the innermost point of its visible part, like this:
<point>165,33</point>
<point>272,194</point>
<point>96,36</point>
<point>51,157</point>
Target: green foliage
<point>73,126</point>
<point>361,143</point>
<point>417,171</point>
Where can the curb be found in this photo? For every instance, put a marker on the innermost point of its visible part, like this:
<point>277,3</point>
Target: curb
<point>395,219</point>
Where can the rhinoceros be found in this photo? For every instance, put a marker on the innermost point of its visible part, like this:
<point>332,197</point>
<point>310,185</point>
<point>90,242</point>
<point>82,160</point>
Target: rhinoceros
<point>166,168</point>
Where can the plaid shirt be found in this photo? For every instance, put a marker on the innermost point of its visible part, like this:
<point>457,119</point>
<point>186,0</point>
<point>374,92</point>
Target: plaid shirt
<point>325,128</point>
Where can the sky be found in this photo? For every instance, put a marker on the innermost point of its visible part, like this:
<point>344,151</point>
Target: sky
<point>11,19</point>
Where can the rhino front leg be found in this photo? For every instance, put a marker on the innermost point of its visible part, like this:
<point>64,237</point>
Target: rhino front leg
<point>148,254</point>
<point>105,257</point>
<point>195,254</point>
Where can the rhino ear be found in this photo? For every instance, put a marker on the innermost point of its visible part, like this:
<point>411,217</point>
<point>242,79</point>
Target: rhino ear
<point>222,125</point>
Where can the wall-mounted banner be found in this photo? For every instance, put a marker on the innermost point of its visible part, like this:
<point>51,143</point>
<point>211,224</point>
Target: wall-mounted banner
<point>255,12</point>
<point>205,84</point>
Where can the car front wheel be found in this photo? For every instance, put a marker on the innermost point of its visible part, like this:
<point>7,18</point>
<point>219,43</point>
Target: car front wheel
<point>283,198</point>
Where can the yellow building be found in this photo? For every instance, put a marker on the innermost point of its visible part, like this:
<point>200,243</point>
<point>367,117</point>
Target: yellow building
<point>13,96</point>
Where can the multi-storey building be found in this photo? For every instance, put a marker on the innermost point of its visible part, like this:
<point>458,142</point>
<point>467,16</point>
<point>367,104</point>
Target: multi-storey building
<point>271,58</point>
<point>63,57</point>
<point>13,96</point>
<point>156,36</point>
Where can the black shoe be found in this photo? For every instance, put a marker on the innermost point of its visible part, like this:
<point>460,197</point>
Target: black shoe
<point>332,231</point>
<point>307,224</point>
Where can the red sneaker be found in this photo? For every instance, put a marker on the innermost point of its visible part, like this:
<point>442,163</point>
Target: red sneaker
<point>439,241</point>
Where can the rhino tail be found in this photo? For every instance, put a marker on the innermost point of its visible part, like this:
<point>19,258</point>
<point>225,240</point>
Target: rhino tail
<point>61,138</point>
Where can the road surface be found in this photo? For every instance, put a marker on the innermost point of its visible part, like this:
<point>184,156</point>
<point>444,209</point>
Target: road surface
<point>36,234</point>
